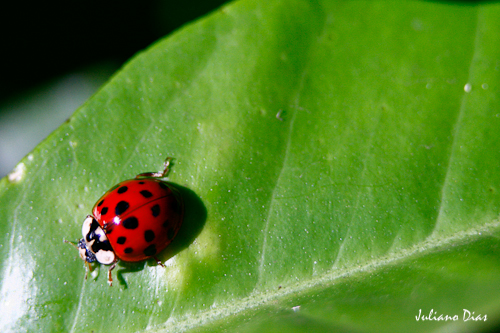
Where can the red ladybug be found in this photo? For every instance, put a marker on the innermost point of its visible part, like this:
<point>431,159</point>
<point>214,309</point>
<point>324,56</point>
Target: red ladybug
<point>133,221</point>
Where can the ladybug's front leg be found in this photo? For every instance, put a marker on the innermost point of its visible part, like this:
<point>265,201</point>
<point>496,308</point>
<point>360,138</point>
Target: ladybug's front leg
<point>88,269</point>
<point>110,278</point>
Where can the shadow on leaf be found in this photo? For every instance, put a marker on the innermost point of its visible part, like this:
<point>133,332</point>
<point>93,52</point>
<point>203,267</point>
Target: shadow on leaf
<point>195,215</point>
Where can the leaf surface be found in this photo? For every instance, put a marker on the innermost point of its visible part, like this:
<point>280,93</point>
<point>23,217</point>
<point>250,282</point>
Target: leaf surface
<point>338,160</point>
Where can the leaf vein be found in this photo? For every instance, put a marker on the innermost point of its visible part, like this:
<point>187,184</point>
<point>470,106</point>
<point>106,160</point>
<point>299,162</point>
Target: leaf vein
<point>456,132</point>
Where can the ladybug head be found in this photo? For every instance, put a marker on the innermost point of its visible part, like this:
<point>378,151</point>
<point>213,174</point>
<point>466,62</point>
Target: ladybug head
<point>95,245</point>
<point>85,253</point>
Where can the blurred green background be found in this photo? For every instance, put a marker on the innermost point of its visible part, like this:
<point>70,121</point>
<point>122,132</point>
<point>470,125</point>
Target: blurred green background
<point>56,57</point>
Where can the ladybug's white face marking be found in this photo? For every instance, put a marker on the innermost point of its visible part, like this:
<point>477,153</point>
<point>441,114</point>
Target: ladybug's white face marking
<point>100,234</point>
<point>95,245</point>
<point>86,226</point>
<point>105,257</point>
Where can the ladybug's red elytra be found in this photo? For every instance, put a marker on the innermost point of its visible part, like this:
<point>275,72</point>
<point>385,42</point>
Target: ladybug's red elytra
<point>133,221</point>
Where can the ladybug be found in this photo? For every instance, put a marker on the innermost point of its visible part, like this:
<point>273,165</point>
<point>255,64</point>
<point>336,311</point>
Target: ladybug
<point>133,221</point>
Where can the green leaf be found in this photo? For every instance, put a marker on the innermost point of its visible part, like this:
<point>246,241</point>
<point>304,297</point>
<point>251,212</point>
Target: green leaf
<point>339,164</point>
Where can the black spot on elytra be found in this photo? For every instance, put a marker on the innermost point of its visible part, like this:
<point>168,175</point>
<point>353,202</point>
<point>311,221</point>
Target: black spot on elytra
<point>164,186</point>
<point>146,194</point>
<point>130,223</point>
<point>142,183</point>
<point>149,235</point>
<point>121,240</point>
<point>121,207</point>
<point>166,223</point>
<point>122,189</point>
<point>100,203</point>
<point>128,250</point>
<point>104,210</point>
<point>150,250</point>
<point>170,233</point>
<point>155,210</point>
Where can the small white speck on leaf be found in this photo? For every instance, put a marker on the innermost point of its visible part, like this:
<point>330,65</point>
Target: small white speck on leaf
<point>279,115</point>
<point>467,87</point>
<point>18,173</point>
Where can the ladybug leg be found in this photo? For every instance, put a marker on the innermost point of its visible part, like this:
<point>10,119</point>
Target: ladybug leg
<point>88,268</point>
<point>158,261</point>
<point>110,278</point>
<point>160,174</point>
<point>166,165</point>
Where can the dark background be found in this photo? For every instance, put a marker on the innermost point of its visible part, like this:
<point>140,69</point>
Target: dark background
<point>42,40</point>
<point>55,56</point>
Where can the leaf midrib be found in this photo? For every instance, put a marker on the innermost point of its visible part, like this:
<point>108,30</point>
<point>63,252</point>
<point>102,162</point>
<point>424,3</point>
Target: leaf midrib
<point>255,300</point>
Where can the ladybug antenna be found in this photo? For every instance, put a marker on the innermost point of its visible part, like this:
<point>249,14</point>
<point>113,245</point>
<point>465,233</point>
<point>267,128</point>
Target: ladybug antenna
<point>70,243</point>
